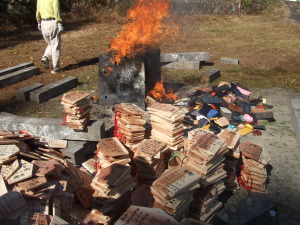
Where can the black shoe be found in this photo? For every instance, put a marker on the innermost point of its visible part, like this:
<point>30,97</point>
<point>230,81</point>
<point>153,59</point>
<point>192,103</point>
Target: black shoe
<point>45,62</point>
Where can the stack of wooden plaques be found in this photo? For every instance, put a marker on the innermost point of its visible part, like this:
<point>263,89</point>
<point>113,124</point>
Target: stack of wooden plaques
<point>232,158</point>
<point>205,156</point>
<point>151,159</point>
<point>173,191</point>
<point>112,186</point>
<point>77,107</point>
<point>129,124</point>
<point>205,204</point>
<point>167,124</point>
<point>110,151</point>
<point>254,174</point>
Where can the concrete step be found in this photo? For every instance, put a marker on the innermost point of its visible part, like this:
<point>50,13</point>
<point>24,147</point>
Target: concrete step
<point>54,89</point>
<point>23,94</point>
<point>15,68</point>
<point>18,76</point>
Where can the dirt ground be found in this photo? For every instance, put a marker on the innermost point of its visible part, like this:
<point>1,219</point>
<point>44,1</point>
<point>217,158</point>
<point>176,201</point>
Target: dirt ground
<point>221,36</point>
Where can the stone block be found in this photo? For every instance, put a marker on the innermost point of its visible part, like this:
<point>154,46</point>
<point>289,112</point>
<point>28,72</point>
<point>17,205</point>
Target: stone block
<point>15,68</point>
<point>246,209</point>
<point>19,75</point>
<point>184,65</point>
<point>210,75</point>
<point>54,89</point>
<point>51,127</point>
<point>189,56</point>
<point>295,117</point>
<point>225,60</point>
<point>78,152</point>
<point>23,94</point>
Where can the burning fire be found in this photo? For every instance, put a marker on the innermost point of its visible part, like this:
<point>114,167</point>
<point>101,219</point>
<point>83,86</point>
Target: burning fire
<point>160,94</point>
<point>144,29</point>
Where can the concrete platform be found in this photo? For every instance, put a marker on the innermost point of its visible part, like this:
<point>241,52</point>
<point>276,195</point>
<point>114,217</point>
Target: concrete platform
<point>295,117</point>
<point>51,127</point>
<point>247,209</point>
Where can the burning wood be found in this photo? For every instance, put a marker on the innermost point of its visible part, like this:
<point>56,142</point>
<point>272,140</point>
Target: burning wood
<point>160,94</point>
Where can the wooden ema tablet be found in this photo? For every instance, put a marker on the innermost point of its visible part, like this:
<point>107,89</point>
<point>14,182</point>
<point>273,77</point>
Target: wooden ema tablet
<point>33,183</point>
<point>167,109</point>
<point>232,138</point>
<point>110,176</point>
<point>44,192</point>
<point>7,151</point>
<point>177,180</point>
<point>39,206</point>
<point>251,150</point>
<point>3,188</point>
<point>53,142</point>
<point>208,142</point>
<point>89,165</point>
<point>149,148</point>
<point>136,215</point>
<point>85,196</point>
<point>112,147</point>
<point>58,221</point>
<point>132,108</point>
<point>73,97</point>
<point>23,173</point>
<point>9,169</point>
<point>60,209</point>
<point>43,168</point>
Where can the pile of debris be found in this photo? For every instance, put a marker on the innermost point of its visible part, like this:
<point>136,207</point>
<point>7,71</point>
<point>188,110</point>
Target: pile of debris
<point>39,185</point>
<point>192,156</point>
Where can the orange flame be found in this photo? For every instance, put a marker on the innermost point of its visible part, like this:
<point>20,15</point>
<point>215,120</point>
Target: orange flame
<point>145,29</point>
<point>160,94</point>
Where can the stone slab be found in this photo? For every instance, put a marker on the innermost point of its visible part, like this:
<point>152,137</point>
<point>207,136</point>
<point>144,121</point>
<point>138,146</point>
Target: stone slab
<point>18,76</point>
<point>51,127</point>
<point>15,68</point>
<point>54,89</point>
<point>79,151</point>
<point>246,210</point>
<point>295,117</point>
<point>184,65</point>
<point>23,94</point>
<point>188,56</point>
<point>210,75</point>
<point>225,60</point>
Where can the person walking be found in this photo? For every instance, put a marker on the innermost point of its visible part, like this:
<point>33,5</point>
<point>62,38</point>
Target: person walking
<point>50,23</point>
